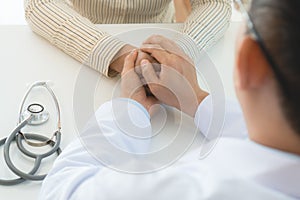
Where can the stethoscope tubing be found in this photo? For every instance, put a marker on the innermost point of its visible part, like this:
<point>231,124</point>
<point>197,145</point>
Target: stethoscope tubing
<point>38,158</point>
<point>17,180</point>
<point>18,136</point>
<point>55,145</point>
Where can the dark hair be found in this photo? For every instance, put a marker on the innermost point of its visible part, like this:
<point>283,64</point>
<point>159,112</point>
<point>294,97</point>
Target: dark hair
<point>278,23</point>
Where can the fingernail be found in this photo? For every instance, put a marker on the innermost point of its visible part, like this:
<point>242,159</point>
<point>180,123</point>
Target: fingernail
<point>144,62</point>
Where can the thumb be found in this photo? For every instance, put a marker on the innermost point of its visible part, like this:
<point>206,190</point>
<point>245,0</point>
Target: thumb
<point>149,73</point>
<point>129,62</point>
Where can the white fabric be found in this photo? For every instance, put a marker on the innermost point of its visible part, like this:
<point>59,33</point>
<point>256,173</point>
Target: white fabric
<point>237,168</point>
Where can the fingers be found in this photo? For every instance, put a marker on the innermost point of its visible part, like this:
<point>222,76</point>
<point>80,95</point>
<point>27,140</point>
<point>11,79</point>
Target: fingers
<point>149,73</point>
<point>156,52</point>
<point>161,42</point>
<point>142,55</point>
<point>157,39</point>
<point>129,63</point>
<point>164,43</point>
<point>158,42</point>
<point>152,46</point>
<point>130,82</point>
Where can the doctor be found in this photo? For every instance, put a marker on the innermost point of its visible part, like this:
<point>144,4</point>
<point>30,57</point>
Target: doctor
<point>265,164</point>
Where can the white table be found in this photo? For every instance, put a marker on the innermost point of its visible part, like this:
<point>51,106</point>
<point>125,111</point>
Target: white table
<point>25,58</point>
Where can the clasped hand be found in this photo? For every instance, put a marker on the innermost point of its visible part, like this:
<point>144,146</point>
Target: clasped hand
<point>172,79</point>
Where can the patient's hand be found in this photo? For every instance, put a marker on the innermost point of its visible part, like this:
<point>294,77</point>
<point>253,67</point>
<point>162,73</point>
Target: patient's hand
<point>132,86</point>
<point>119,59</point>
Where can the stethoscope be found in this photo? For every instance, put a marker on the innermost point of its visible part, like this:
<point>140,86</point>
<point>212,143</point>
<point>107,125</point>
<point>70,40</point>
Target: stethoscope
<point>35,114</point>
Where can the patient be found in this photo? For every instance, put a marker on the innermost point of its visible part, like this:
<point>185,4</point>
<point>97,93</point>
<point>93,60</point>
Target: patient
<point>263,164</point>
<point>70,25</point>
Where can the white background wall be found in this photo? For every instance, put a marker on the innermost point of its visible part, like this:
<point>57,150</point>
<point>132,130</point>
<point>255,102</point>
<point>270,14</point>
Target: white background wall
<point>12,12</point>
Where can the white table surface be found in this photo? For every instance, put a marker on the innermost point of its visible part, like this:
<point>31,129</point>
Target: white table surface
<point>26,57</point>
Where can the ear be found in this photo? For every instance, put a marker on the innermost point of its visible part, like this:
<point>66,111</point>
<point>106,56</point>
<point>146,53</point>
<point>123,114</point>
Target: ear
<point>252,69</point>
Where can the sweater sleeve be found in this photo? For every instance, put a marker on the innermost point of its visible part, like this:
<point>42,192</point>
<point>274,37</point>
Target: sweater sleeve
<point>208,21</point>
<point>62,26</point>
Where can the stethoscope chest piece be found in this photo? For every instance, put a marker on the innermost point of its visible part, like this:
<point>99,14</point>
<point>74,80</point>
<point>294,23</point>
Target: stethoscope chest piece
<point>38,113</point>
<point>32,114</point>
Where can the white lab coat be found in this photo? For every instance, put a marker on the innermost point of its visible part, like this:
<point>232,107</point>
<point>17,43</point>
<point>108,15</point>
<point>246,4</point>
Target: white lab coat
<point>237,168</point>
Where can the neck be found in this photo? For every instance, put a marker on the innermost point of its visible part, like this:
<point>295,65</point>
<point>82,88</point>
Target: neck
<point>267,124</point>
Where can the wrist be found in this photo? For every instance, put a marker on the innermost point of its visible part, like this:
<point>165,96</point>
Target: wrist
<point>118,60</point>
<point>192,107</point>
<point>149,104</point>
<point>201,96</point>
<point>139,105</point>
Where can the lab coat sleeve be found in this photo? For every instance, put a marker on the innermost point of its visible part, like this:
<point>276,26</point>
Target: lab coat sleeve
<point>60,24</point>
<point>90,168</point>
<point>106,141</point>
<point>81,173</point>
<point>233,124</point>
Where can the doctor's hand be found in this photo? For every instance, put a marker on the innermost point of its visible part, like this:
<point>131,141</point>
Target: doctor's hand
<point>176,84</point>
<point>131,84</point>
